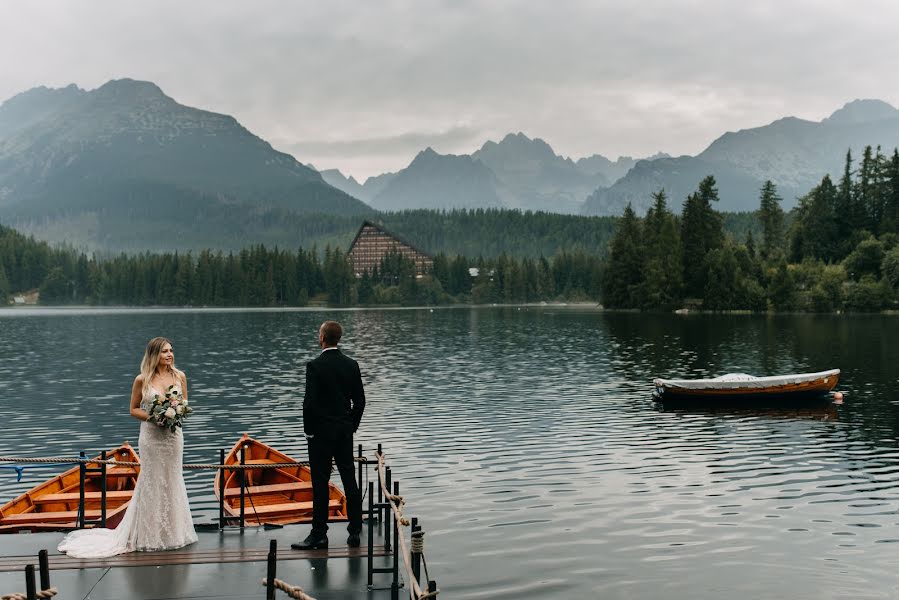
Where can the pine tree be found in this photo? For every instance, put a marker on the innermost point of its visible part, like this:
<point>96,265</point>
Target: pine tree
<point>750,244</point>
<point>845,210</point>
<point>701,231</point>
<point>624,271</point>
<point>891,205</point>
<point>863,215</point>
<point>661,241</point>
<point>772,217</point>
<point>4,286</point>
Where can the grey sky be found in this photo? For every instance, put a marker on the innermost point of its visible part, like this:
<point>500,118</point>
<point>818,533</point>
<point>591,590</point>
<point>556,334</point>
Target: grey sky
<point>362,86</point>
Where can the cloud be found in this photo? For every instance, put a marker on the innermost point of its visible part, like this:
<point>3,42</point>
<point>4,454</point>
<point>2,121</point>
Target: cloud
<point>587,76</point>
<point>412,141</point>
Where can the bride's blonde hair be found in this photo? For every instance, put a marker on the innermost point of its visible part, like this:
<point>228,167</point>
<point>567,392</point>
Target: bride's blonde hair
<point>150,361</point>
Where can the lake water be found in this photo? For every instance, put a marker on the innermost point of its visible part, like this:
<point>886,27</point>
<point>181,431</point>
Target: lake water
<point>526,440</point>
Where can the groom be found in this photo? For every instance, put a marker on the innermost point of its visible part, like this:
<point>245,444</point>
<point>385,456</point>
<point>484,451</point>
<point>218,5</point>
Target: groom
<point>332,410</point>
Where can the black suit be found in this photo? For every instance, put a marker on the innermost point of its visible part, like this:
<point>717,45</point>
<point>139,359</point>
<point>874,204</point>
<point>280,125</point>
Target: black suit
<point>332,410</point>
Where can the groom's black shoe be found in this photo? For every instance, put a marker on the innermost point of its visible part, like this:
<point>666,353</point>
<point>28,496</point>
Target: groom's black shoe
<point>312,542</point>
<point>354,541</point>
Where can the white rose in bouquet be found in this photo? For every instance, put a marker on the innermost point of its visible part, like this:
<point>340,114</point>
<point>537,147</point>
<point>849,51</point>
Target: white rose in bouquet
<point>169,413</point>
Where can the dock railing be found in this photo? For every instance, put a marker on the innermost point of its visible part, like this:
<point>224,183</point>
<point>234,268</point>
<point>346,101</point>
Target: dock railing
<point>387,511</point>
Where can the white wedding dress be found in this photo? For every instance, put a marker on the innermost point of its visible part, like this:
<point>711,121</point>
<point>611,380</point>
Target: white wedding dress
<point>158,516</point>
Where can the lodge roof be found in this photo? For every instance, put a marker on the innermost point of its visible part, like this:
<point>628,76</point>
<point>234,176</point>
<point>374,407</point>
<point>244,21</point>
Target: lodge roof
<point>383,229</point>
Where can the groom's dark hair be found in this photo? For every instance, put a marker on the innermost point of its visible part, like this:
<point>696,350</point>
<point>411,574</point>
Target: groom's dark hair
<point>331,332</point>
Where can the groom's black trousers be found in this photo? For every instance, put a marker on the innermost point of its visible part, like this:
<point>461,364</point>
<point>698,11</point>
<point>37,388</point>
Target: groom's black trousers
<point>321,450</point>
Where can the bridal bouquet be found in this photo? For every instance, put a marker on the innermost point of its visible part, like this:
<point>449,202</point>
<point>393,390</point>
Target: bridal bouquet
<point>169,410</point>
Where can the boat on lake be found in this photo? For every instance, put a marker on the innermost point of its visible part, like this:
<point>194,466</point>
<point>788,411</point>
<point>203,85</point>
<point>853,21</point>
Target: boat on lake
<point>53,504</point>
<point>279,495</point>
<point>740,386</point>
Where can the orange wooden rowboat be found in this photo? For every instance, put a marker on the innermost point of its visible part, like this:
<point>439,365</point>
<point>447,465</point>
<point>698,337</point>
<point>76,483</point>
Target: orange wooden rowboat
<point>53,504</point>
<point>279,495</point>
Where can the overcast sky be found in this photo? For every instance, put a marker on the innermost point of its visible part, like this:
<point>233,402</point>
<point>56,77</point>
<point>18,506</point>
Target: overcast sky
<point>363,86</point>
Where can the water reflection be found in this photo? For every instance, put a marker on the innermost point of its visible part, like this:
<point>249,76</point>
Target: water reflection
<point>526,440</point>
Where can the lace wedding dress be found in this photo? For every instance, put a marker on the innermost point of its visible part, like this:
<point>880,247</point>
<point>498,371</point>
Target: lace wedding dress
<point>158,516</point>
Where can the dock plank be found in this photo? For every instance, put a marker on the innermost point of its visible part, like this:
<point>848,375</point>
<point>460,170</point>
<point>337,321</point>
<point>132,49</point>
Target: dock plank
<point>140,559</point>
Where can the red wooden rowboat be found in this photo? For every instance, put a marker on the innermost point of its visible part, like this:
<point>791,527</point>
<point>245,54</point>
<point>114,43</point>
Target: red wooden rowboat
<point>53,504</point>
<point>276,495</point>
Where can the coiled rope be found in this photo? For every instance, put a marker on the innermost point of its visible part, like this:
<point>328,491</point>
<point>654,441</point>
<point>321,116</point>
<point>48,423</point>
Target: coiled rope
<point>47,593</point>
<point>418,542</point>
<point>396,505</point>
<point>294,591</point>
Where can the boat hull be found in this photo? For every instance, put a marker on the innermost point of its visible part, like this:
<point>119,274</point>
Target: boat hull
<point>798,388</point>
<point>280,495</point>
<point>53,504</point>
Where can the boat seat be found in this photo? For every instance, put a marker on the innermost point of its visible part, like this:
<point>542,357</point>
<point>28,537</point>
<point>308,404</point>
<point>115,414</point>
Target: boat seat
<point>74,497</point>
<point>274,488</point>
<point>253,474</point>
<point>286,507</point>
<point>121,472</point>
<point>65,516</point>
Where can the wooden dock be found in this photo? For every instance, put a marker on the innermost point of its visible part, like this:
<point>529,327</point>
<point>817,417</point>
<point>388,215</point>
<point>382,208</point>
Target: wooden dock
<point>227,564</point>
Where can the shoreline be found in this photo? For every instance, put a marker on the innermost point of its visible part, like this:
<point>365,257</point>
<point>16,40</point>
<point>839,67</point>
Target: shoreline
<point>32,309</point>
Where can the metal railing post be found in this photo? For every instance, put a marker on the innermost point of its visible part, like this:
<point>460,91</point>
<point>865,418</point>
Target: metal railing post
<point>380,497</point>
<point>359,475</point>
<point>222,474</point>
<point>44,567</point>
<point>371,531</point>
<point>272,569</point>
<point>416,556</point>
<point>386,507</point>
<point>30,589</point>
<point>243,483</point>
<point>395,586</point>
<point>102,490</point>
<point>82,468</point>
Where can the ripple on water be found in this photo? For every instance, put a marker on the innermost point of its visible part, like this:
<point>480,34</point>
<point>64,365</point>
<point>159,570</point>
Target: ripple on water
<point>525,440</point>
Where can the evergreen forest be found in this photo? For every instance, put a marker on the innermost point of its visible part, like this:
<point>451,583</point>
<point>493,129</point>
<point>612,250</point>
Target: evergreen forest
<point>837,251</point>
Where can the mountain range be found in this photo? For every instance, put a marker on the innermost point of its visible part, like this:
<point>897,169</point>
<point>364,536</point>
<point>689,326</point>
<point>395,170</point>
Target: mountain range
<point>126,167</point>
<point>517,172</point>
<point>793,153</point>
<point>527,174</point>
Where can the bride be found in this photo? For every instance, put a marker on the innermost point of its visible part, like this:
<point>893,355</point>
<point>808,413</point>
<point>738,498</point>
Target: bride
<point>158,516</point>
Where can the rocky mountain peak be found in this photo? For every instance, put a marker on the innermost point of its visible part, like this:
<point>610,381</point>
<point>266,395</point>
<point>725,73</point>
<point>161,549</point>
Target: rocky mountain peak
<point>863,111</point>
<point>131,89</point>
<point>516,146</point>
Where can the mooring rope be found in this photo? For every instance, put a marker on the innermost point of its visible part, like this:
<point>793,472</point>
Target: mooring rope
<point>396,505</point>
<point>47,593</point>
<point>294,591</point>
<point>119,463</point>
